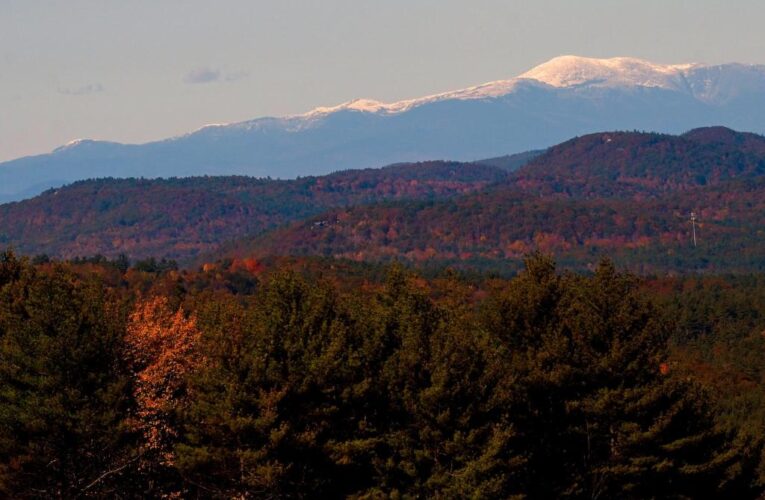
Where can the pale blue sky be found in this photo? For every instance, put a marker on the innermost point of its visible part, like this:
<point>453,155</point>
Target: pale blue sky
<point>139,70</point>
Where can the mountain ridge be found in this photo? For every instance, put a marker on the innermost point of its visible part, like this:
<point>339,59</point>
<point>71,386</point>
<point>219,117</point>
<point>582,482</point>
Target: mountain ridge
<point>568,96</point>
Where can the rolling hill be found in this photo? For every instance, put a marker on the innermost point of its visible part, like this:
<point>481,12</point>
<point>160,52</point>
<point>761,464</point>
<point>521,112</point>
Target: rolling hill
<point>626,195</point>
<point>178,218</point>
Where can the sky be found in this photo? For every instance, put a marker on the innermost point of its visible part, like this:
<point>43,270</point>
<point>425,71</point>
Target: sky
<point>142,70</point>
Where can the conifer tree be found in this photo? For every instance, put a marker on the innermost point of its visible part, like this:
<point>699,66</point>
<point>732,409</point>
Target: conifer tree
<point>268,416</point>
<point>62,388</point>
<point>441,433</point>
<point>598,417</point>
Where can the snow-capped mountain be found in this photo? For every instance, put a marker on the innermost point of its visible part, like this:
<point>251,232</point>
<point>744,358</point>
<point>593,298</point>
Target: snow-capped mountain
<point>711,84</point>
<point>554,101</point>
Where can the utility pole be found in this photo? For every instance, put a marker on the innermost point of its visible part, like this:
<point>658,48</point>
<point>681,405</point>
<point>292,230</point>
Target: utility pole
<point>693,225</point>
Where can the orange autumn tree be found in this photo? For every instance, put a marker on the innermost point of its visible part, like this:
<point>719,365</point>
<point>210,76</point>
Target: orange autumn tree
<point>161,344</point>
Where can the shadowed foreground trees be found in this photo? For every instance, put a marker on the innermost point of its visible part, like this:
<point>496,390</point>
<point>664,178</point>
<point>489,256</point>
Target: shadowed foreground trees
<point>599,419</point>
<point>548,385</point>
<point>63,387</point>
<point>554,388</point>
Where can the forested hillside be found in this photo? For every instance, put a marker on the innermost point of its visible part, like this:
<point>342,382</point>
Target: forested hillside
<point>626,195</point>
<point>244,381</point>
<point>178,218</point>
<point>631,164</point>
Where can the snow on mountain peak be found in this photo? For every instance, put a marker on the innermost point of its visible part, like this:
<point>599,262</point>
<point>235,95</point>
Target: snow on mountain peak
<point>560,72</point>
<point>72,144</point>
<point>368,105</point>
<point>570,71</point>
<point>706,83</point>
<point>492,89</point>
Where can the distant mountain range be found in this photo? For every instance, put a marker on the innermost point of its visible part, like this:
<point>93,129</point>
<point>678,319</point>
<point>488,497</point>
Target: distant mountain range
<point>628,195</point>
<point>565,97</point>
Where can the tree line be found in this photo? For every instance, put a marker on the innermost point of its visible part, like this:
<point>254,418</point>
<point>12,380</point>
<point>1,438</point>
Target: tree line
<point>126,383</point>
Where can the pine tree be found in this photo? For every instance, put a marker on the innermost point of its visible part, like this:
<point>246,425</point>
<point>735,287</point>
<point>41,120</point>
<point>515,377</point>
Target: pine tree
<point>271,410</point>
<point>62,388</point>
<point>440,421</point>
<point>598,417</point>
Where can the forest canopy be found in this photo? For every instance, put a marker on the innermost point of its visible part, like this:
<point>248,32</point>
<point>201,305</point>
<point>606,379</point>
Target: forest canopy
<point>320,379</point>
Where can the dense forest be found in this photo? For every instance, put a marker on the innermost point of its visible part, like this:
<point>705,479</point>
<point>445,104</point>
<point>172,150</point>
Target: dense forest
<point>179,218</point>
<point>625,195</point>
<point>322,378</point>
<point>546,325</point>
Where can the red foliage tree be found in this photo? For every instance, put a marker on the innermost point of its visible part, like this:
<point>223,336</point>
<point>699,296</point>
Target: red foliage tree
<point>161,344</point>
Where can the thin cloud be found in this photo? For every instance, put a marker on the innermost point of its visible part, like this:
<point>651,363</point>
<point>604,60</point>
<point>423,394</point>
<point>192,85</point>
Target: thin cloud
<point>209,75</point>
<point>91,88</point>
<point>202,75</point>
<point>238,75</point>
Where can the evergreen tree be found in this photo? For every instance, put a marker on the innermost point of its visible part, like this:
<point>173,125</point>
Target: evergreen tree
<point>270,412</point>
<point>442,431</point>
<point>598,417</point>
<point>62,389</point>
